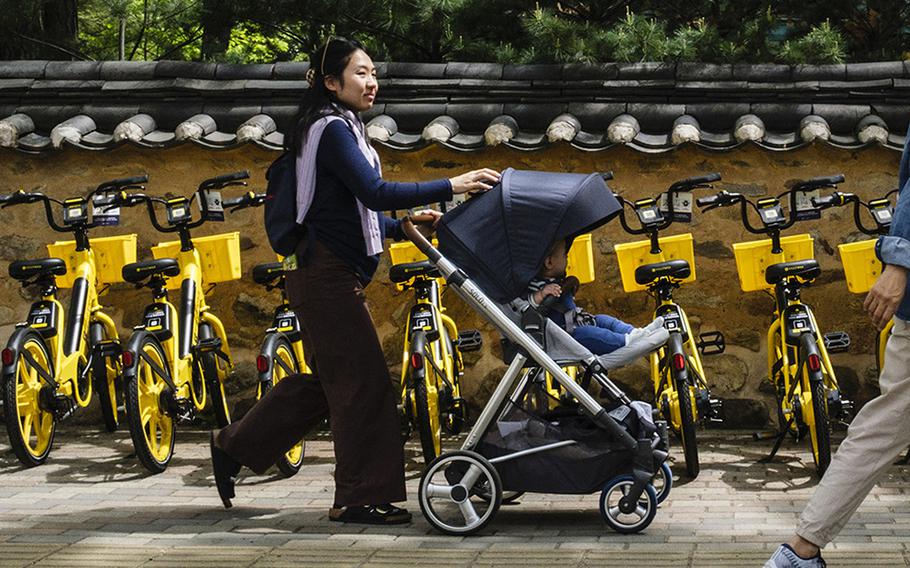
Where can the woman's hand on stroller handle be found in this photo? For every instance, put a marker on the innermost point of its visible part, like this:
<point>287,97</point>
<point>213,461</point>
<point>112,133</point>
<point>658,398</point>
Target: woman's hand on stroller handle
<point>425,221</point>
<point>475,180</point>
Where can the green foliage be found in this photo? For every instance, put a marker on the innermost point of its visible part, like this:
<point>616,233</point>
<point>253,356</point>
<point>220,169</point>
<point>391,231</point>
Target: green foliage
<point>506,31</point>
<point>822,44</point>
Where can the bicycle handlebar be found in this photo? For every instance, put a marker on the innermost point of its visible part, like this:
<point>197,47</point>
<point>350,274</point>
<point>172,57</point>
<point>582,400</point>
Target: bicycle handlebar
<point>687,184</point>
<point>694,182</point>
<point>248,199</point>
<point>819,182</point>
<point>840,199</point>
<point>224,180</point>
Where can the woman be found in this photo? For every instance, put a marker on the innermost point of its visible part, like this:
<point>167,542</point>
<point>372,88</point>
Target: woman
<point>340,188</point>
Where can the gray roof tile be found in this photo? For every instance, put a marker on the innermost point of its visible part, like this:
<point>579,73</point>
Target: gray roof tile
<point>473,95</point>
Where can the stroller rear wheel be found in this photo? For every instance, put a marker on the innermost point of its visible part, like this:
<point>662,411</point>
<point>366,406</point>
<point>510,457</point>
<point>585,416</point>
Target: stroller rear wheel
<point>634,521</point>
<point>451,493</point>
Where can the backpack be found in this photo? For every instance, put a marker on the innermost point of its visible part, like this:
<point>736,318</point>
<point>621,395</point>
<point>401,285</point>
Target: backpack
<point>281,205</point>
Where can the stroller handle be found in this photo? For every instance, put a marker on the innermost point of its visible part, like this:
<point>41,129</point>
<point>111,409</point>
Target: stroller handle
<point>416,237</point>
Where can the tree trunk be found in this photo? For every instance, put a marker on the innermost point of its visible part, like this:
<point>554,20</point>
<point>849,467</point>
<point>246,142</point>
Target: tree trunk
<point>59,27</point>
<point>217,23</point>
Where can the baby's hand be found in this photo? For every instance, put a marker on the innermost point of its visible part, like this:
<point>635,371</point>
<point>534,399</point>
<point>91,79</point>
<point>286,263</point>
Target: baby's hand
<point>548,290</point>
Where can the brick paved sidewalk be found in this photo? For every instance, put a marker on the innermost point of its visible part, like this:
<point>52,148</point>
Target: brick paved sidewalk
<point>92,504</point>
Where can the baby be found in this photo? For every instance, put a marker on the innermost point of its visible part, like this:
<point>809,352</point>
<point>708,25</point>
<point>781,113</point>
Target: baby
<point>601,334</point>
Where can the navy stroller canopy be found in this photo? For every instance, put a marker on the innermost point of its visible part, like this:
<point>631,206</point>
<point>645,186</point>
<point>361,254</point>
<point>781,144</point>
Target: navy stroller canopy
<point>500,238</point>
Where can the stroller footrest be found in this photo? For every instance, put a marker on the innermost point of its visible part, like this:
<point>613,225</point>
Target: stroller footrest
<point>469,340</point>
<point>837,341</point>
<point>711,343</point>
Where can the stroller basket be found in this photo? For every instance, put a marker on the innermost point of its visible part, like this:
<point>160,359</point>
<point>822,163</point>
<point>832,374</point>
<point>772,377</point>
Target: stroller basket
<point>580,468</point>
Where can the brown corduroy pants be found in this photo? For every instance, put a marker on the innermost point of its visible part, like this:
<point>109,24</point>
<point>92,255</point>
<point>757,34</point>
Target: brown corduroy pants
<point>351,386</point>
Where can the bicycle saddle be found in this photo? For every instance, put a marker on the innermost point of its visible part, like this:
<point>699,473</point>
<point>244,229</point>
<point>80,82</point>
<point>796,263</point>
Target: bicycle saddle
<point>804,269</point>
<point>41,267</point>
<point>677,269</point>
<point>136,272</point>
<point>267,273</point>
<point>404,272</point>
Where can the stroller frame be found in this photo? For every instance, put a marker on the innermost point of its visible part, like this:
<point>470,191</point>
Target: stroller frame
<point>648,453</point>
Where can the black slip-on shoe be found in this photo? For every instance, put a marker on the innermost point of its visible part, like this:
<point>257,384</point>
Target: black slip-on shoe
<point>370,514</point>
<point>225,470</point>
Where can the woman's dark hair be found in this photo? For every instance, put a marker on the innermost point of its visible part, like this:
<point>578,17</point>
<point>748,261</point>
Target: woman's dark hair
<point>329,60</point>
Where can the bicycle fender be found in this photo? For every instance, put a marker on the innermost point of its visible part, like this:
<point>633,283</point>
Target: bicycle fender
<point>268,344</point>
<point>674,347</point>
<point>15,343</point>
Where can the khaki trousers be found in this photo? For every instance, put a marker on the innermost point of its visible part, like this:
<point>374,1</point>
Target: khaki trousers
<point>876,437</point>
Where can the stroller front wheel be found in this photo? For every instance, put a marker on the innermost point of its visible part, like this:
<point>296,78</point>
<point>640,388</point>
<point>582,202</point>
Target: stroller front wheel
<point>662,482</point>
<point>634,521</point>
<point>460,493</point>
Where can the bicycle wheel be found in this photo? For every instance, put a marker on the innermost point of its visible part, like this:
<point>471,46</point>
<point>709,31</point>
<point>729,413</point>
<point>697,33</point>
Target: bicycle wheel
<point>428,426</point>
<point>820,427</point>
<point>214,370</point>
<point>31,428</point>
<point>151,428</point>
<point>106,376</point>
<point>687,428</point>
<point>276,351</point>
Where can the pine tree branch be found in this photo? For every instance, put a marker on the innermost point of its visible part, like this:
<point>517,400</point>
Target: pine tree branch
<point>60,48</point>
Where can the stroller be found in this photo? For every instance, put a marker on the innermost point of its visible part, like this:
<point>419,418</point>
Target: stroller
<point>489,250</point>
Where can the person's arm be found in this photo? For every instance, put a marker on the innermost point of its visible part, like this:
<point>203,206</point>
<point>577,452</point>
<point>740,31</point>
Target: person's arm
<point>339,154</point>
<point>392,228</point>
<point>894,251</point>
<point>894,248</point>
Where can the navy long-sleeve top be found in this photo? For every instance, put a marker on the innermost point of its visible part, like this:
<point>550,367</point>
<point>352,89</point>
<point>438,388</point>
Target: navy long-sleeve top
<point>343,174</point>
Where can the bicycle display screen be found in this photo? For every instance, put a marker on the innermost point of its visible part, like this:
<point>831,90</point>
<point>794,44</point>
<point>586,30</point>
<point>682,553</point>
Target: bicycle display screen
<point>882,215</point>
<point>771,211</point>
<point>178,211</point>
<point>804,207</point>
<point>648,211</point>
<point>75,211</point>
<point>102,212</point>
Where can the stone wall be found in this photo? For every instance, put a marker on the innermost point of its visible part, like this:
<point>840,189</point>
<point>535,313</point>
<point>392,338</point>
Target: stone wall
<point>714,301</point>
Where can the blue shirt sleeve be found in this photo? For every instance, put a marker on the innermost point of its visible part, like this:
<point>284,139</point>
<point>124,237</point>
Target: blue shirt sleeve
<point>339,154</point>
<point>392,228</point>
<point>895,247</point>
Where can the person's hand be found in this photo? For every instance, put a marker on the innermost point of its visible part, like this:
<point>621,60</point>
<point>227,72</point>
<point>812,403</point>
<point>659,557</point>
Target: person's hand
<point>548,290</point>
<point>476,180</point>
<point>425,221</point>
<point>886,295</point>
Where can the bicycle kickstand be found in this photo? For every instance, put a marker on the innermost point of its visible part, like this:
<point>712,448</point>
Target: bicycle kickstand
<point>778,442</point>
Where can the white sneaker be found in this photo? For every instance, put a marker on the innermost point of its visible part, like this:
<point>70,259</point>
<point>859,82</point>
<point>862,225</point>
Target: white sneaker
<point>786,557</point>
<point>639,332</point>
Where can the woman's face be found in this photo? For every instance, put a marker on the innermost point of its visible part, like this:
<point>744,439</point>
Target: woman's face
<point>358,88</point>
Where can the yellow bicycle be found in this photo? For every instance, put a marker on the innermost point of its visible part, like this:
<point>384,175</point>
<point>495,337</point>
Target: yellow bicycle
<point>660,265</point>
<point>808,396</point>
<point>432,363</point>
<point>53,358</point>
<point>281,354</point>
<point>861,267</point>
<point>178,354</point>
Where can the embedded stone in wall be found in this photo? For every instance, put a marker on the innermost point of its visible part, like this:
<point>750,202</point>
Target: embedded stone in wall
<point>745,413</point>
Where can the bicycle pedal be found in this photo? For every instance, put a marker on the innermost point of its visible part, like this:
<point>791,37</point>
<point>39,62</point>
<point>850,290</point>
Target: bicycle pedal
<point>469,340</point>
<point>711,343</point>
<point>182,409</point>
<point>60,405</point>
<point>837,341</point>
<point>108,348</point>
<point>208,345</point>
